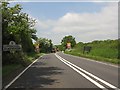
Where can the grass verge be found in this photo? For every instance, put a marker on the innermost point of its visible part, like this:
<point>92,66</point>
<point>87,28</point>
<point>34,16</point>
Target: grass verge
<point>98,58</point>
<point>33,56</point>
<point>8,69</point>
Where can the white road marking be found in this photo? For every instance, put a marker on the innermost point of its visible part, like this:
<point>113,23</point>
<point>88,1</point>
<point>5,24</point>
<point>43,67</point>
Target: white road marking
<point>19,75</point>
<point>85,76</point>
<point>106,83</point>
<point>108,64</point>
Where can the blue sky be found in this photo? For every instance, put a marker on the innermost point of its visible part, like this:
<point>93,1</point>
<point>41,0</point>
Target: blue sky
<point>86,21</point>
<point>54,10</point>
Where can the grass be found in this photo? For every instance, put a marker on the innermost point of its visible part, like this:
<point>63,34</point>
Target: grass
<point>33,56</point>
<point>106,51</point>
<point>98,58</point>
<point>8,69</point>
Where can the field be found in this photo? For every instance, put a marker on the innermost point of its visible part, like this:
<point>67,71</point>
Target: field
<point>106,51</point>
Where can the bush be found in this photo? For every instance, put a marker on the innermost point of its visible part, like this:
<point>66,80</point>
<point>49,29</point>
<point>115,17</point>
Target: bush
<point>15,58</point>
<point>107,50</point>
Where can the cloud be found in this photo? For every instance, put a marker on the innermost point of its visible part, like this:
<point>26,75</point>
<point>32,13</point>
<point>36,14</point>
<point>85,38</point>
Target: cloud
<point>75,22</point>
<point>45,24</point>
<point>83,26</point>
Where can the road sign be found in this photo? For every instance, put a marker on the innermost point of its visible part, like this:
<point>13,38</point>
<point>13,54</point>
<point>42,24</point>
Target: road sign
<point>37,48</point>
<point>12,47</point>
<point>68,45</point>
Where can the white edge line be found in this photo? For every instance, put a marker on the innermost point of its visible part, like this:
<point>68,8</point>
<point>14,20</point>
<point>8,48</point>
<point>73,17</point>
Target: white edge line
<point>20,74</point>
<point>88,78</point>
<point>106,83</point>
<point>116,66</point>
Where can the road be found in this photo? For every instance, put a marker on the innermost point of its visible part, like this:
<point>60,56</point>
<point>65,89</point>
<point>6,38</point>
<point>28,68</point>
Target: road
<point>58,70</point>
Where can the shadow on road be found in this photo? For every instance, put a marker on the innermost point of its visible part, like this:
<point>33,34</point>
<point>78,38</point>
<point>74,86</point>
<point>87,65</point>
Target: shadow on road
<point>37,76</point>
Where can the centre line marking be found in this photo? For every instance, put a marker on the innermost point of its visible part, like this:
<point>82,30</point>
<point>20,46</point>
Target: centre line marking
<point>85,76</point>
<point>95,77</point>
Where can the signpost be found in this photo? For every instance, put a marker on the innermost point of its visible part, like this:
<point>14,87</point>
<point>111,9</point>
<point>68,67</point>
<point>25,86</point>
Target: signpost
<point>37,49</point>
<point>87,49</point>
<point>68,45</point>
<point>12,47</point>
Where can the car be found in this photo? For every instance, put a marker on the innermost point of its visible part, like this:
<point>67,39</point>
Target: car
<point>53,50</point>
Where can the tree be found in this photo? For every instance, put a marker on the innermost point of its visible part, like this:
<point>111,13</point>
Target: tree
<point>68,39</point>
<point>60,47</point>
<point>19,27</point>
<point>45,45</point>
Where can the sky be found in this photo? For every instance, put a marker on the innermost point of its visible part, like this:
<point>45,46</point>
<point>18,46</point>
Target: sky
<point>86,21</point>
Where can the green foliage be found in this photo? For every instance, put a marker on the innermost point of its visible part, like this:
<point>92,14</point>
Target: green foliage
<point>32,56</point>
<point>106,50</point>
<point>68,39</point>
<point>61,48</point>
<point>17,26</point>
<point>9,69</point>
<point>45,45</point>
<point>15,58</point>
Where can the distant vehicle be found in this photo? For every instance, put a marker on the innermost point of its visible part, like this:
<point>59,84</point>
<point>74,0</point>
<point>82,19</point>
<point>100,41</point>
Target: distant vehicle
<point>54,50</point>
<point>57,49</point>
<point>62,51</point>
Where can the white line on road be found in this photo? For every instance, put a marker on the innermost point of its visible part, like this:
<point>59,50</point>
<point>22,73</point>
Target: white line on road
<point>19,75</point>
<point>88,78</point>
<point>108,64</point>
<point>95,77</point>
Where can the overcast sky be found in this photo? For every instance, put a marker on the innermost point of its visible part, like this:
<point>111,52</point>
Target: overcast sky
<point>86,21</point>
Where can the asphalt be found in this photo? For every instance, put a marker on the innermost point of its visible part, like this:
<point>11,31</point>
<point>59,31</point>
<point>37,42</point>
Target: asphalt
<point>105,71</point>
<point>50,72</point>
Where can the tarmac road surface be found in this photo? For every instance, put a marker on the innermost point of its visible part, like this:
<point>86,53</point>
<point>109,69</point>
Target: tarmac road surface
<point>59,70</point>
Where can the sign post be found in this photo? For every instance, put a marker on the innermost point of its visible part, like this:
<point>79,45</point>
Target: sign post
<point>68,45</point>
<point>37,49</point>
<point>12,47</point>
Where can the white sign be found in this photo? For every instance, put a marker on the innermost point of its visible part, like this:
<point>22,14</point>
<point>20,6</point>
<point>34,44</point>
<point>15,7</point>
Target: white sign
<point>12,47</point>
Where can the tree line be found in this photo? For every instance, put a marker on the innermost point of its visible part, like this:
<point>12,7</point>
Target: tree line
<point>17,26</point>
<point>45,45</point>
